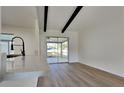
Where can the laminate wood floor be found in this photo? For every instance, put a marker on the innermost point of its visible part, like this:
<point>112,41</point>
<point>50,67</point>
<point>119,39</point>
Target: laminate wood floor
<point>78,75</point>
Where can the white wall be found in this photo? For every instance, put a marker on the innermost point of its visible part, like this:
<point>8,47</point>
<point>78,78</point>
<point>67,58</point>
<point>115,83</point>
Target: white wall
<point>102,46</point>
<point>27,34</point>
<point>73,43</point>
<point>0,45</point>
<point>0,26</point>
<point>37,38</point>
<point>0,19</point>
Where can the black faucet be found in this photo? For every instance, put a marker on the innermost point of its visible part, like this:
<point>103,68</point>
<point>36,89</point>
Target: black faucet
<point>23,45</point>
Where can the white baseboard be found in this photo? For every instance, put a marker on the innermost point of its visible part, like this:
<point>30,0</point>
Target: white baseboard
<point>103,69</point>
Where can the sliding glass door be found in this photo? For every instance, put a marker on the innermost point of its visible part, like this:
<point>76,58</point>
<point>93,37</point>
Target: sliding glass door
<point>52,52</point>
<point>57,49</point>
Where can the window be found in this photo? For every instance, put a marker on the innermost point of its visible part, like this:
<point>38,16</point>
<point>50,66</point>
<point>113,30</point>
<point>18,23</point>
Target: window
<point>5,39</point>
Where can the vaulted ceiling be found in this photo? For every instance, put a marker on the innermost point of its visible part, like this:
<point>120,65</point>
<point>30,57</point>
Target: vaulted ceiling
<point>88,17</point>
<point>20,16</point>
<point>57,16</point>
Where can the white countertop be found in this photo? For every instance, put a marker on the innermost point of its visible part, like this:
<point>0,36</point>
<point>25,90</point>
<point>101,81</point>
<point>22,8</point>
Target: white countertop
<point>26,64</point>
<point>23,71</point>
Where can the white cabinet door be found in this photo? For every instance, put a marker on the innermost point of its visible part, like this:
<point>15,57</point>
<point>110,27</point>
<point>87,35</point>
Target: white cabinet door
<point>2,65</point>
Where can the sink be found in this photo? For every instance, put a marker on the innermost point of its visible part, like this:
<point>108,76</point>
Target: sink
<point>13,55</point>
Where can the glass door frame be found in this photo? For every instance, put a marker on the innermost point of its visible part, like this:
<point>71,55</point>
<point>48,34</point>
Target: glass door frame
<point>57,46</point>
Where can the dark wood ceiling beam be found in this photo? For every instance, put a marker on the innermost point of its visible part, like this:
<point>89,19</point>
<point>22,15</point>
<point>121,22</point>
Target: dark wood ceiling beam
<point>77,10</point>
<point>45,17</point>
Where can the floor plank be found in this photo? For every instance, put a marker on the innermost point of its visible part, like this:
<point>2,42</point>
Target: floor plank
<point>78,75</point>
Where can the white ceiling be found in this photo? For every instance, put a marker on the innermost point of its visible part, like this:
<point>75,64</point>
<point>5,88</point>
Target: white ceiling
<point>92,16</point>
<point>58,16</point>
<point>88,17</point>
<point>20,16</point>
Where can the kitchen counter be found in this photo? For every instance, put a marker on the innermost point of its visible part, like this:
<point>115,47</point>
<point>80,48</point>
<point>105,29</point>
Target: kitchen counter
<point>23,71</point>
<point>25,64</point>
